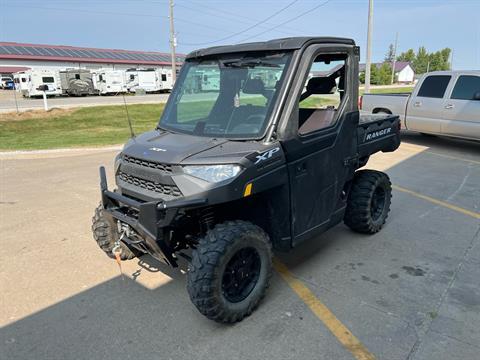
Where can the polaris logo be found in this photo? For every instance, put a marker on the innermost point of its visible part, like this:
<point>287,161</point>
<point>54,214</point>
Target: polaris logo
<point>157,149</point>
<point>376,134</point>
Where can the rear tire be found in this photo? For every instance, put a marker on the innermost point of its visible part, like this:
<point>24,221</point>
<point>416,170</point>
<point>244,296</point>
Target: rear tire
<point>105,233</point>
<point>230,271</point>
<point>369,201</point>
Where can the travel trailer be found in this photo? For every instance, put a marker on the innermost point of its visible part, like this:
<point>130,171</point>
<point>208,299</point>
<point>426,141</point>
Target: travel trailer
<point>77,82</point>
<point>20,81</point>
<point>210,80</point>
<point>150,80</point>
<point>166,80</point>
<point>109,81</point>
<point>27,82</point>
<point>131,79</point>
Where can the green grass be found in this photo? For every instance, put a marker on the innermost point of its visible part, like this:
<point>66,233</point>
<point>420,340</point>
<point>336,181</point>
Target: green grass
<point>92,126</point>
<point>400,89</point>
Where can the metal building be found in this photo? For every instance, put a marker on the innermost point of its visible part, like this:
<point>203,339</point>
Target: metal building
<point>58,57</point>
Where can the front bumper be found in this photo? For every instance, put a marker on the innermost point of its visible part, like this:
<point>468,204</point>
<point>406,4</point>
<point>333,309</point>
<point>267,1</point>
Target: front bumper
<point>149,220</point>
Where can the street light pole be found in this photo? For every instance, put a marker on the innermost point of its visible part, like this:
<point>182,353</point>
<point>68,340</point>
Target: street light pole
<point>368,64</point>
<point>394,60</point>
<point>173,43</point>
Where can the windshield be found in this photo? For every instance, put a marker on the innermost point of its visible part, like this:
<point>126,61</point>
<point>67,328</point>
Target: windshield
<point>230,96</point>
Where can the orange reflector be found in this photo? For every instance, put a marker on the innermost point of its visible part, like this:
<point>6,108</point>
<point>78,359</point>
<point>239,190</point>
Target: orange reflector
<point>248,190</point>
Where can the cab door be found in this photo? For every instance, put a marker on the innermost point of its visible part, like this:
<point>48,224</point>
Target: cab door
<point>322,153</point>
<point>426,109</point>
<point>462,109</point>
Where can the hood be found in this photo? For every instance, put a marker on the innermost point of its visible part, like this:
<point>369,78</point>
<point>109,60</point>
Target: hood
<point>170,148</point>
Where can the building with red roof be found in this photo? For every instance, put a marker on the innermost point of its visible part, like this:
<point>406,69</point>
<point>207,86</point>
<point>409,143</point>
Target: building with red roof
<point>16,57</point>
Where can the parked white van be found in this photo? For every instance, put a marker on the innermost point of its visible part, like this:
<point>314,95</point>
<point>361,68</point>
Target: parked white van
<point>442,103</point>
<point>27,82</point>
<point>109,81</point>
<point>150,80</point>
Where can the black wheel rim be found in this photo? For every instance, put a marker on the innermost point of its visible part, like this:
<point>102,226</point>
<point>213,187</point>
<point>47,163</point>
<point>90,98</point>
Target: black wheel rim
<point>241,275</point>
<point>378,203</point>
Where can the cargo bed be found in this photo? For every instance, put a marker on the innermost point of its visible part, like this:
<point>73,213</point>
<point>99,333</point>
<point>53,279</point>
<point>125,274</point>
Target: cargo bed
<point>378,133</point>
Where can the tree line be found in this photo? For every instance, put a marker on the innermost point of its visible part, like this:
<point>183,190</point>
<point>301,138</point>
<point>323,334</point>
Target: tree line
<point>422,61</point>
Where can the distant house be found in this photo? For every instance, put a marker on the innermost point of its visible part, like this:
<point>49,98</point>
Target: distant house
<point>404,72</point>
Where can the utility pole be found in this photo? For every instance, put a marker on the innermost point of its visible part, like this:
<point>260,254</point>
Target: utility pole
<point>368,64</point>
<point>394,62</point>
<point>173,44</point>
<point>451,61</point>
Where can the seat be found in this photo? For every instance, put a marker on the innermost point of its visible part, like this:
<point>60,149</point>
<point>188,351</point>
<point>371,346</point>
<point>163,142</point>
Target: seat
<point>315,119</point>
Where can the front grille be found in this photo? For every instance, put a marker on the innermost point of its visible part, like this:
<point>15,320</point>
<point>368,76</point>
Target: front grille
<point>150,164</point>
<point>171,190</point>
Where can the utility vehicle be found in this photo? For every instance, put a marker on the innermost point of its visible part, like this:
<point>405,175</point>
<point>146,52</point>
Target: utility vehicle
<point>229,174</point>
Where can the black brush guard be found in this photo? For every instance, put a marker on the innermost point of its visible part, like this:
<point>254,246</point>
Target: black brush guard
<point>153,217</point>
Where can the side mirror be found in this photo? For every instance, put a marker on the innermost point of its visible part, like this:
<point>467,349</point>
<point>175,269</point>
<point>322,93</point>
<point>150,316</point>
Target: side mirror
<point>43,88</point>
<point>476,96</point>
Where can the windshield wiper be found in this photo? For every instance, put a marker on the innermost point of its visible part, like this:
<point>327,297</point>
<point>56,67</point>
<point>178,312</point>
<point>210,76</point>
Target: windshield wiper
<point>252,63</point>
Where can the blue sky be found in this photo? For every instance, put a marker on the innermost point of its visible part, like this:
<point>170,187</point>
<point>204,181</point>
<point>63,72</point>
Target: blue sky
<point>143,24</point>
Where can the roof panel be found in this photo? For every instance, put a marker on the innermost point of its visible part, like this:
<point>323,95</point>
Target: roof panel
<point>83,53</point>
<point>17,50</point>
<point>51,52</point>
<point>128,56</point>
<point>5,50</point>
<point>90,54</point>
<point>136,56</point>
<point>41,51</point>
<point>54,52</point>
<point>76,53</point>
<point>117,56</point>
<point>26,50</point>
<point>63,52</point>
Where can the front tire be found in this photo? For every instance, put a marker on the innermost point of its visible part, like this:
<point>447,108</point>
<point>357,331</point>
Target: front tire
<point>369,201</point>
<point>105,234</point>
<point>230,271</point>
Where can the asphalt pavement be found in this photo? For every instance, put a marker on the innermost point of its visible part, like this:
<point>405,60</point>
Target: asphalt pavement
<point>411,291</point>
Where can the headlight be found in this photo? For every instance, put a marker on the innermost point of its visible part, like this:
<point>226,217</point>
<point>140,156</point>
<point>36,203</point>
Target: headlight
<point>118,161</point>
<point>212,173</point>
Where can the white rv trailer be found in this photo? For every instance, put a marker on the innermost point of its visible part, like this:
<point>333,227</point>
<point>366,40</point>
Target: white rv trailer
<point>131,79</point>
<point>109,81</point>
<point>166,80</point>
<point>27,82</point>
<point>150,80</point>
<point>20,81</point>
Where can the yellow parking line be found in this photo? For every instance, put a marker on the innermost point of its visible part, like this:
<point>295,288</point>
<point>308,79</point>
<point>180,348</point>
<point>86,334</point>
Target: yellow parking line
<point>340,331</point>
<point>453,157</point>
<point>438,202</point>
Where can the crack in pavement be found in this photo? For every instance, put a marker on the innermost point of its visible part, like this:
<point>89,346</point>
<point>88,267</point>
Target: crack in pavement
<point>456,339</point>
<point>428,323</point>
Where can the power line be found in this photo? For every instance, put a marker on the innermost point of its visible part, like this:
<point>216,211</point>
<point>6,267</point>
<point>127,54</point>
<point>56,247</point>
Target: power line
<point>220,15</point>
<point>95,12</point>
<point>288,21</point>
<point>230,14</point>
<point>247,29</point>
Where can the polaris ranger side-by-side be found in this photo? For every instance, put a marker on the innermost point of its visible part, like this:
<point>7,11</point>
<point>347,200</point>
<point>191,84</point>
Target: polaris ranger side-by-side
<point>266,159</point>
